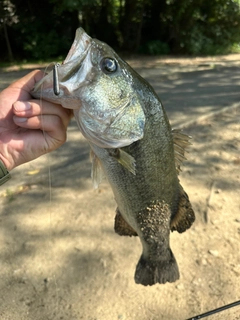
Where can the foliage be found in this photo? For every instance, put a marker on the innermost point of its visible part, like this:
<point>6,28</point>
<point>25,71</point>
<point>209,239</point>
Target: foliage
<point>46,30</point>
<point>155,47</point>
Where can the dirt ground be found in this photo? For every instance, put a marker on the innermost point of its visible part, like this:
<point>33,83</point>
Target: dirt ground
<point>59,255</point>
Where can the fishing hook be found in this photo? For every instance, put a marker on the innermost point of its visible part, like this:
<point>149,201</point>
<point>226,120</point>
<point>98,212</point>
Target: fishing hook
<point>56,89</point>
<point>209,313</point>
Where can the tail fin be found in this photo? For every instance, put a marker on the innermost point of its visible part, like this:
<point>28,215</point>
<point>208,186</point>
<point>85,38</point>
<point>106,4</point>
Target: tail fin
<point>150,272</point>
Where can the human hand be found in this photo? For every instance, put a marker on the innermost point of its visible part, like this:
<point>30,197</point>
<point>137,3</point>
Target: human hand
<point>29,128</point>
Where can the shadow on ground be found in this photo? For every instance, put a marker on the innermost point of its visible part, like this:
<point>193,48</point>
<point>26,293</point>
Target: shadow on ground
<point>59,255</point>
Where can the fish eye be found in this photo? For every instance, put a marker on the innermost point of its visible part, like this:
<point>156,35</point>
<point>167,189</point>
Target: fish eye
<point>108,65</point>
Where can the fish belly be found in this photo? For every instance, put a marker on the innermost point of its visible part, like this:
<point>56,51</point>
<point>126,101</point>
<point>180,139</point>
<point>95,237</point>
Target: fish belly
<point>145,212</point>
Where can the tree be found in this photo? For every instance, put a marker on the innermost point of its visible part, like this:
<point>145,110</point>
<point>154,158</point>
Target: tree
<point>131,22</point>
<point>7,19</point>
<point>194,26</point>
<point>46,31</point>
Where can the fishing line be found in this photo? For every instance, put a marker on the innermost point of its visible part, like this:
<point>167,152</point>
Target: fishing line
<point>44,135</point>
<point>46,71</point>
<point>209,313</point>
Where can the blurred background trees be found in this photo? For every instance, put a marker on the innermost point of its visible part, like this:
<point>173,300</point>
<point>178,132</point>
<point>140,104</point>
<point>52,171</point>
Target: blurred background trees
<point>45,29</point>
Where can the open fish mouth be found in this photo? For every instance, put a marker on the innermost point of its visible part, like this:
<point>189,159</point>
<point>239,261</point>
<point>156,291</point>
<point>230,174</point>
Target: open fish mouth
<point>61,73</point>
<point>96,84</point>
<point>80,44</point>
<point>132,143</point>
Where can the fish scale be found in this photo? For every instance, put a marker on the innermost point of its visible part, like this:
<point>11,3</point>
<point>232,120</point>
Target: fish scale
<point>132,144</point>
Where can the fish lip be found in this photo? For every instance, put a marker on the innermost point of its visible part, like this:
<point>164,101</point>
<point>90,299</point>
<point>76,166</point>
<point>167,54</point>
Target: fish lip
<point>81,44</point>
<point>76,55</point>
<point>73,61</point>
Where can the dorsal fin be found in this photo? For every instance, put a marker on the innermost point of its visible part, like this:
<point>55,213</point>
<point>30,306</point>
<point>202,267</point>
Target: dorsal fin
<point>97,173</point>
<point>180,143</point>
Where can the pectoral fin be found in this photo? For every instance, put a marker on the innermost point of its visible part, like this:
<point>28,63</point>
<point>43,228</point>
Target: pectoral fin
<point>125,159</point>
<point>185,216</point>
<point>121,227</point>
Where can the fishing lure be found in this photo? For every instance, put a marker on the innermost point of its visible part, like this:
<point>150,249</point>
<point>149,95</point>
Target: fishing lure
<point>56,89</point>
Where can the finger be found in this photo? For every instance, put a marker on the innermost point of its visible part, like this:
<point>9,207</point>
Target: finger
<point>50,124</point>
<point>33,108</point>
<point>27,82</point>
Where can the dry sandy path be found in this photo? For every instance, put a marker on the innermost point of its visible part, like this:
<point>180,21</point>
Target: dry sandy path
<point>59,255</point>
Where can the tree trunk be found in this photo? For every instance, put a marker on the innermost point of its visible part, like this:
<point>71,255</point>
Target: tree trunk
<point>131,24</point>
<point>10,54</point>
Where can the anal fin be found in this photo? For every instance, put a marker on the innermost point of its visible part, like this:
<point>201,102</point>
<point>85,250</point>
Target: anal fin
<point>97,171</point>
<point>184,216</point>
<point>121,227</point>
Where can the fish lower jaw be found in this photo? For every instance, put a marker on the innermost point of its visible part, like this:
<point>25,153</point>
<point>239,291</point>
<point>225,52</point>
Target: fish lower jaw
<point>150,272</point>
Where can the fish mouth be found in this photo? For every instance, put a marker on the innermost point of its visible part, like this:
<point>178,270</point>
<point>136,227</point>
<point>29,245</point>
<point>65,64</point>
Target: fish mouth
<point>72,63</point>
<point>80,44</point>
<point>76,54</point>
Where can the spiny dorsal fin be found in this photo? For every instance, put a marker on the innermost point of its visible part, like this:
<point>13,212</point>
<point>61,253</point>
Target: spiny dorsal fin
<point>97,173</point>
<point>180,142</point>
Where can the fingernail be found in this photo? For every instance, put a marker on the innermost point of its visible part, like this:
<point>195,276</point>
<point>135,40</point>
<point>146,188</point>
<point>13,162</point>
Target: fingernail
<point>22,106</point>
<point>18,119</point>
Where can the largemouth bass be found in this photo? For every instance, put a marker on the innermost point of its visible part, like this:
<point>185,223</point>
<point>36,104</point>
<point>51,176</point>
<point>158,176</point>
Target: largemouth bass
<point>132,144</point>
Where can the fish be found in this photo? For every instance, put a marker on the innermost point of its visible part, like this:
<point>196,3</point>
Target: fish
<point>132,144</point>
